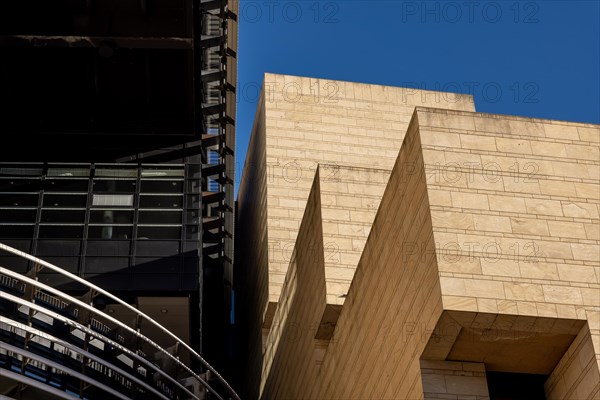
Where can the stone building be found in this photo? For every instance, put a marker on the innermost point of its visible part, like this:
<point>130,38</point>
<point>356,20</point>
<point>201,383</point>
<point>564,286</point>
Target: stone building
<point>394,243</point>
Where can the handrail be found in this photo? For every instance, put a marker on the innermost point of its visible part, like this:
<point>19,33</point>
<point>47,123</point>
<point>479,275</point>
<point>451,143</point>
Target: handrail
<point>129,307</point>
<point>32,356</point>
<point>95,311</point>
<point>104,339</point>
<point>74,324</point>
<point>82,352</point>
<point>36,384</point>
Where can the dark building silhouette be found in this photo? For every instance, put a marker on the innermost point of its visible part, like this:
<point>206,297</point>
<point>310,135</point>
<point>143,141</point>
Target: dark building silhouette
<point>116,163</point>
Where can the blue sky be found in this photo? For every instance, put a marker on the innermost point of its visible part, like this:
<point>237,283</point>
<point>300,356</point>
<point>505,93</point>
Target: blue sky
<point>530,58</point>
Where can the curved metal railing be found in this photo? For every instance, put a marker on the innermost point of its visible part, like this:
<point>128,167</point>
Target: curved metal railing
<point>67,347</point>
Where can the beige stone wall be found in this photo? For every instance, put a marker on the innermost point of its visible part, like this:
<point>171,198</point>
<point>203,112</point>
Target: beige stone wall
<point>373,353</point>
<point>311,121</point>
<point>350,198</point>
<point>577,375</point>
<point>289,357</point>
<point>514,204</point>
<point>454,380</point>
<point>301,122</point>
<point>320,272</point>
<point>488,223</point>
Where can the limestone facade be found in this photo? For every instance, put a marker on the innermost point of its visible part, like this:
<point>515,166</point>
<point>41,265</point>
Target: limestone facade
<point>393,243</point>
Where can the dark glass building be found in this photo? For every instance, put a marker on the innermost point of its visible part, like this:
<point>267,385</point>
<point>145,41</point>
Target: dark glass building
<point>117,157</point>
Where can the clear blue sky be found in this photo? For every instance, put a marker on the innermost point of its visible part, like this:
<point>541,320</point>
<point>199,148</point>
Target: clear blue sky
<point>530,58</point>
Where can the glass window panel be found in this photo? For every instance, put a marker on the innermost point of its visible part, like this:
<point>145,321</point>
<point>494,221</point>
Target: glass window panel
<point>158,232</point>
<point>17,215</point>
<point>109,232</point>
<point>18,200</point>
<point>116,172</point>
<point>159,217</point>
<point>16,231</point>
<point>195,159</point>
<point>68,171</point>
<point>14,263</point>
<point>21,171</point>
<point>111,216</point>
<point>157,248</point>
<point>20,185</point>
<point>113,186</point>
<point>61,232</point>
<point>194,171</point>
<point>193,216</point>
<point>193,186</point>
<point>58,280</point>
<point>66,185</point>
<point>193,201</point>
<point>69,264</point>
<point>65,200</point>
<point>106,264</point>
<point>107,248</point>
<point>150,201</point>
<point>113,200</point>
<point>157,186</point>
<point>160,172</point>
<point>72,216</point>
<point>192,232</point>
<point>213,185</point>
<point>66,248</point>
<point>23,245</point>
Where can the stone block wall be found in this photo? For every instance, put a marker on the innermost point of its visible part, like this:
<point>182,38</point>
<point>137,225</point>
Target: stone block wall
<point>387,230</point>
<point>515,205</point>
<point>301,122</point>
